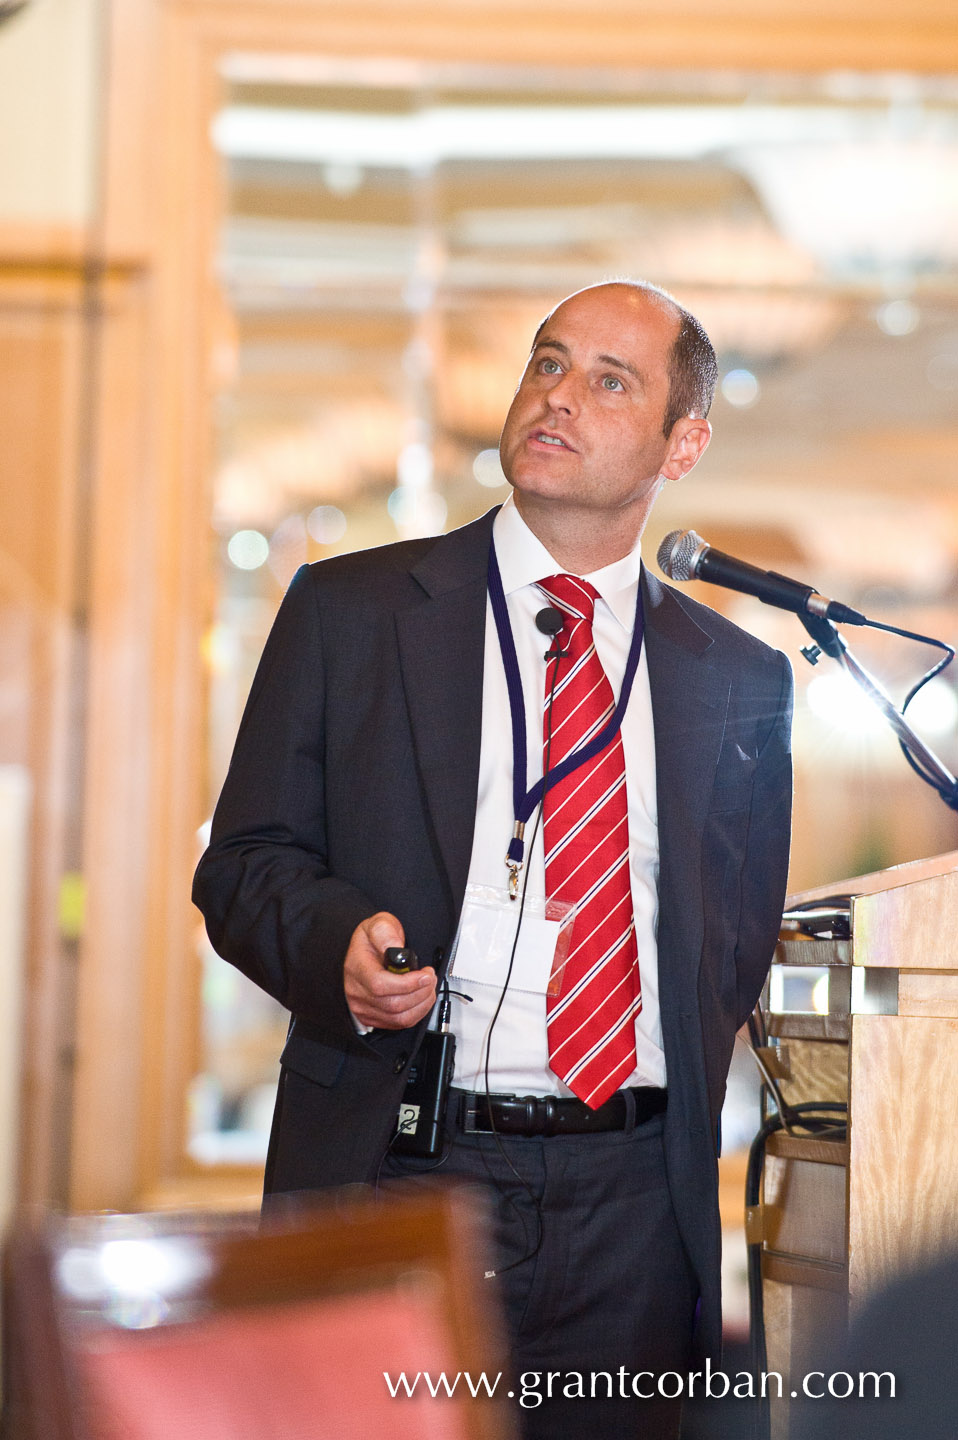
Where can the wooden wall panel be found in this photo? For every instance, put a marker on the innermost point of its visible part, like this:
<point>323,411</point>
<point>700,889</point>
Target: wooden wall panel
<point>679,34</point>
<point>41,366</point>
<point>118,838</point>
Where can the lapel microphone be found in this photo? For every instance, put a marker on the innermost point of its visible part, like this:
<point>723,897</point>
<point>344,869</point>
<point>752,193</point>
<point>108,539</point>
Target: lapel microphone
<point>550,621</point>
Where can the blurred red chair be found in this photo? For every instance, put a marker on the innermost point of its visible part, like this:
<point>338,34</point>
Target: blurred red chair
<point>158,1327</point>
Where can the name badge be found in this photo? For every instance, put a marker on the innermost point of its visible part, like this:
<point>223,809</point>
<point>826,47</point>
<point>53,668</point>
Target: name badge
<point>484,943</point>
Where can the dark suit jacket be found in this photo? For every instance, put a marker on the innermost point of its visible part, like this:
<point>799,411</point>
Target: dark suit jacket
<point>352,789</point>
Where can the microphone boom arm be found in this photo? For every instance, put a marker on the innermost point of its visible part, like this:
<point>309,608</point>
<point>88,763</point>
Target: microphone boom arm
<point>684,555</point>
<point>828,640</point>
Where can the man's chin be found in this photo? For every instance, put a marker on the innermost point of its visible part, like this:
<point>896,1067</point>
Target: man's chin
<point>533,496</point>
<point>541,481</point>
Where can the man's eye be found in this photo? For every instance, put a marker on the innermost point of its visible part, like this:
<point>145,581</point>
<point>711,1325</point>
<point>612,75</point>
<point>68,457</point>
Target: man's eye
<point>612,382</point>
<point>550,367</point>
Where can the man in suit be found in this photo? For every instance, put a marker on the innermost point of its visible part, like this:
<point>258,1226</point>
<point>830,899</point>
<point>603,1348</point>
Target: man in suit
<point>370,802</point>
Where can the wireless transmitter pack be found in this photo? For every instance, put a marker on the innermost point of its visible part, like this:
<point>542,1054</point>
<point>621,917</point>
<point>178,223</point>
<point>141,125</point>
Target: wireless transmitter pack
<point>419,1124</point>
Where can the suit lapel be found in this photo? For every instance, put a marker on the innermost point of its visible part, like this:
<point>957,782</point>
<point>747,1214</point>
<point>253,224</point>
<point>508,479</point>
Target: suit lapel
<point>689,707</point>
<point>441,644</point>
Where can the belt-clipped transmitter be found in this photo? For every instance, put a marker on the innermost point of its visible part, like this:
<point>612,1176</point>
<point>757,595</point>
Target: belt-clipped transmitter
<point>422,1110</point>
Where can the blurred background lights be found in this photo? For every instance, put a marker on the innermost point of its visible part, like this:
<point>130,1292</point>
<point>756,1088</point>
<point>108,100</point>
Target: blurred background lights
<point>740,388</point>
<point>288,548</point>
<point>942,370</point>
<point>79,1272</point>
<point>135,1266</point>
<point>838,700</point>
<point>248,549</point>
<point>417,512</point>
<point>414,466</point>
<point>897,317</point>
<point>934,710</point>
<point>326,524</point>
<point>488,470</point>
<point>342,178</point>
<point>219,648</point>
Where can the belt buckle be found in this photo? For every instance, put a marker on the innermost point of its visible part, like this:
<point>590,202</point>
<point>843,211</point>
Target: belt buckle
<point>468,1109</point>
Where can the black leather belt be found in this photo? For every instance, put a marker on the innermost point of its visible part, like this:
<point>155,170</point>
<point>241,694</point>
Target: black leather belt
<point>549,1115</point>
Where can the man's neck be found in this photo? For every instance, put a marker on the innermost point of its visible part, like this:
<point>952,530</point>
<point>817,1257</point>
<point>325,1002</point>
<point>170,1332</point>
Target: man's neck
<point>583,541</point>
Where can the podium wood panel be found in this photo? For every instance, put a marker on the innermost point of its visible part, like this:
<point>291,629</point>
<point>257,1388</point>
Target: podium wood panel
<point>804,1203</point>
<point>817,1070</point>
<point>928,993</point>
<point>878,880</point>
<point>899,927</point>
<point>900,1202</point>
<point>903,1195</point>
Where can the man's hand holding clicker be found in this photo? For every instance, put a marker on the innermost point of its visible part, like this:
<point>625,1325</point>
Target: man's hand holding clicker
<point>376,997</point>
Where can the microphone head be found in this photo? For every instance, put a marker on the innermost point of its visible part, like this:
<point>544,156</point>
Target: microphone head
<point>550,621</point>
<point>679,554</point>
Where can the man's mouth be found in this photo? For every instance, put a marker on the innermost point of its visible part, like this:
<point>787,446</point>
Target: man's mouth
<point>546,439</point>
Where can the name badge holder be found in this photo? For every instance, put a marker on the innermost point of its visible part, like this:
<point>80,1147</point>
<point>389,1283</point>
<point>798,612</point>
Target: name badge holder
<point>485,940</point>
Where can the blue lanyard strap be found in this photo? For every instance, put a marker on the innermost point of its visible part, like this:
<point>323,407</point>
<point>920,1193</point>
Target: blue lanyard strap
<point>525,801</point>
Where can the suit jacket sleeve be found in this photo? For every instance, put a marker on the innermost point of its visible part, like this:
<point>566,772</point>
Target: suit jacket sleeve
<point>272,905</point>
<point>765,865</point>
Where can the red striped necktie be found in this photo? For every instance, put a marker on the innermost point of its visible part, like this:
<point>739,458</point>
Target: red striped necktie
<point>591,1022</point>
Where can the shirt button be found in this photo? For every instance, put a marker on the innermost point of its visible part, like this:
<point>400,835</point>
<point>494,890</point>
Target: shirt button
<point>399,1064</point>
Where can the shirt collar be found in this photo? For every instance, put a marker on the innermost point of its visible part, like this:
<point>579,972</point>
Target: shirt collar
<point>523,559</point>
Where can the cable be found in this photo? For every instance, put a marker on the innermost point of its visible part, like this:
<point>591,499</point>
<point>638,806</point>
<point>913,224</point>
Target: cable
<point>948,794</point>
<point>487,1043</point>
<point>922,640</point>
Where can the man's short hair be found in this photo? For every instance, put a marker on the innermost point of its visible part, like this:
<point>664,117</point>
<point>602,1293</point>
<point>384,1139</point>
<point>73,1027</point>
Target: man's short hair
<point>693,368</point>
<point>693,371</point>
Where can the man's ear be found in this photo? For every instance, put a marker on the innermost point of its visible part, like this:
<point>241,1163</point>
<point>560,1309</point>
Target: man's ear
<point>687,444</point>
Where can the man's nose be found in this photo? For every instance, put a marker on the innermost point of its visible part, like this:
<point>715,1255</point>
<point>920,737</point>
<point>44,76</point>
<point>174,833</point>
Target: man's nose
<point>565,394</point>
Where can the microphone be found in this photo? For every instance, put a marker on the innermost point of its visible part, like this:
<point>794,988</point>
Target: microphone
<point>550,621</point>
<point>684,555</point>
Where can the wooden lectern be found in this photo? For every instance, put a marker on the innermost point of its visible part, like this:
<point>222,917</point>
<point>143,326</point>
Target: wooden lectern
<point>840,1218</point>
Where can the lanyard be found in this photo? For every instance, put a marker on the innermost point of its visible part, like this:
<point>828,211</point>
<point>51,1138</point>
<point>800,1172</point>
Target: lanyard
<point>525,801</point>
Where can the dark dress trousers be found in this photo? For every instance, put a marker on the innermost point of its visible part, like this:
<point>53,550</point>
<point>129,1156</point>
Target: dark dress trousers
<point>352,789</point>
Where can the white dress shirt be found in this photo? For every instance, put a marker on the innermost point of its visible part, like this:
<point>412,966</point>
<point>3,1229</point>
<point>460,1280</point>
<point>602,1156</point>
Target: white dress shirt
<point>518,1056</point>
